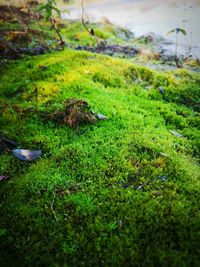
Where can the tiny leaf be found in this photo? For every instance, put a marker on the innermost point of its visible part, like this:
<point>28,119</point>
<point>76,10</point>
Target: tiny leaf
<point>170,32</point>
<point>40,7</point>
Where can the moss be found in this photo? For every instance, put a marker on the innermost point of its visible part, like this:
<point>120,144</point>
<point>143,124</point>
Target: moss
<point>121,192</point>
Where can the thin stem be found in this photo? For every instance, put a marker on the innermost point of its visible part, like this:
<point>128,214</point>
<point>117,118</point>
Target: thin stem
<point>82,16</point>
<point>190,44</point>
<point>57,31</point>
<point>91,32</point>
<point>53,209</point>
<point>9,44</point>
<point>176,48</point>
<point>19,19</point>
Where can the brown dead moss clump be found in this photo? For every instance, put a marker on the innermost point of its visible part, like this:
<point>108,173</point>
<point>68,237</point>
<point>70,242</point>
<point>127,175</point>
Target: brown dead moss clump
<point>75,113</point>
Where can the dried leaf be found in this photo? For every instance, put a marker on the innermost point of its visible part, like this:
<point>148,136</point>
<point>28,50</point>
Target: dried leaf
<point>26,155</point>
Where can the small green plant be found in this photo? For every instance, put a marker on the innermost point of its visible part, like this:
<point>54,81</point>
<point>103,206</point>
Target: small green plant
<point>50,8</point>
<point>177,31</point>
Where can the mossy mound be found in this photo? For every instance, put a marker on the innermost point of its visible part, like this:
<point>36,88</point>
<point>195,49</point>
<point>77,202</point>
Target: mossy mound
<point>122,192</point>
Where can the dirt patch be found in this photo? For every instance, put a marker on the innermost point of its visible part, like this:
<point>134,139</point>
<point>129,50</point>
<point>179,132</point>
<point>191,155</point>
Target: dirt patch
<point>102,48</point>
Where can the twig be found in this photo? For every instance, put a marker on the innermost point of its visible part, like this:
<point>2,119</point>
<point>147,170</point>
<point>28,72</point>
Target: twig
<point>52,207</point>
<point>2,39</point>
<point>53,24</point>
<point>142,186</point>
<point>20,20</point>
<point>91,32</point>
<point>197,59</point>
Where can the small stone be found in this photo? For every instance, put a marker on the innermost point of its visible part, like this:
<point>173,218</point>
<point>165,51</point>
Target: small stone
<point>120,224</point>
<point>161,90</point>
<point>163,178</point>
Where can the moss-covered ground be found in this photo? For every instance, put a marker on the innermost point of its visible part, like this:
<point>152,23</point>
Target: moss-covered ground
<point>121,192</point>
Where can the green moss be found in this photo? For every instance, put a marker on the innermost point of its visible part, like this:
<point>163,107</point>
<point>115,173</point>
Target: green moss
<point>9,26</point>
<point>121,192</point>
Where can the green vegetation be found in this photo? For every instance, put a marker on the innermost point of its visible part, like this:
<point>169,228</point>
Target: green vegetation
<point>76,34</point>
<point>49,8</point>
<point>69,32</point>
<point>121,192</point>
<point>177,31</point>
